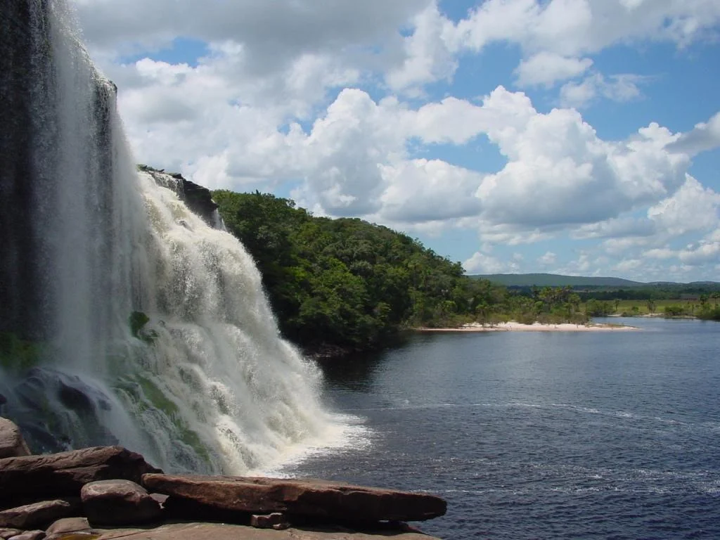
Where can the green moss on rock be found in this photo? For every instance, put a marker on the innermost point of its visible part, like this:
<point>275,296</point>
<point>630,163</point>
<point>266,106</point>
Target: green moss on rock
<point>19,355</point>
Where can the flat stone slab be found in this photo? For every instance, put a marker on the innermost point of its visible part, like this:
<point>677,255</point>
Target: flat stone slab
<point>329,501</point>
<point>216,531</point>
<point>29,535</point>
<point>64,474</point>
<point>12,443</point>
<point>38,515</point>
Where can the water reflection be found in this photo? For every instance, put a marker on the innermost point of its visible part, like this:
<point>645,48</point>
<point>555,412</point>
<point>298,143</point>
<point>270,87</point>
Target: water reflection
<point>356,371</point>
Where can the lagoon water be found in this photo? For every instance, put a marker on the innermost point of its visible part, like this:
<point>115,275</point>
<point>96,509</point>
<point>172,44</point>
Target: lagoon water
<point>542,435</point>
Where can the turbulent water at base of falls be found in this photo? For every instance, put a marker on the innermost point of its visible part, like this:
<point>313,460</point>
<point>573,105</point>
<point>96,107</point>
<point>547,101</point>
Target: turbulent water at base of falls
<point>155,330</point>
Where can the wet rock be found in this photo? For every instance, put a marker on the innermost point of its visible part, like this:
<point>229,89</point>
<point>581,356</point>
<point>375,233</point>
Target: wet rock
<point>64,474</point>
<point>45,396</point>
<point>69,525</point>
<point>330,501</point>
<point>12,443</point>
<point>38,515</point>
<point>118,502</point>
<point>29,535</point>
<point>74,398</point>
<point>198,199</point>
<point>40,439</point>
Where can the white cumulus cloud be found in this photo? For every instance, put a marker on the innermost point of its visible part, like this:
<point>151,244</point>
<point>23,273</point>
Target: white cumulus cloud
<point>546,68</point>
<point>482,263</point>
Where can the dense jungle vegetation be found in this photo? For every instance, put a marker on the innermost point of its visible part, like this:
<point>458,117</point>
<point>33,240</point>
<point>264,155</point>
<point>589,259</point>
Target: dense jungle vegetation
<point>341,285</point>
<point>346,284</point>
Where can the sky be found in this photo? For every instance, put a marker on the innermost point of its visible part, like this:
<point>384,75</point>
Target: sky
<point>569,136</point>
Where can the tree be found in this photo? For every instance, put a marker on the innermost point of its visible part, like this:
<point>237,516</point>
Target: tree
<point>347,283</point>
<point>596,308</point>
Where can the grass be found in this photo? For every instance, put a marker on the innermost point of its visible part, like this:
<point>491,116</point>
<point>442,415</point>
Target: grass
<point>18,355</point>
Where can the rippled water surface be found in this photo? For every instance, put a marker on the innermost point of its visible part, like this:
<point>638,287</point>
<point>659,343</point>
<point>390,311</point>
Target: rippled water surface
<point>543,435</point>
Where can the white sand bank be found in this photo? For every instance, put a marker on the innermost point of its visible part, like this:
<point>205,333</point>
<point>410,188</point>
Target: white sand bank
<point>513,326</point>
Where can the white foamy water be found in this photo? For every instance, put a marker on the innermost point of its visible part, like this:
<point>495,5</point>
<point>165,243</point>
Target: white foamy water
<point>215,356</point>
<point>206,385</point>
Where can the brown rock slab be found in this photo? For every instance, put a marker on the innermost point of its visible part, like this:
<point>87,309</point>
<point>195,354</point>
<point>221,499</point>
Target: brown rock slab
<point>69,525</point>
<point>57,475</point>
<point>7,533</point>
<point>217,531</point>
<point>329,501</point>
<point>80,535</point>
<point>12,443</point>
<point>38,515</point>
<point>118,502</point>
<point>29,535</point>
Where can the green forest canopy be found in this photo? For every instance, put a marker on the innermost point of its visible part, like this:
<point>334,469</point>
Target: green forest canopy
<point>346,284</point>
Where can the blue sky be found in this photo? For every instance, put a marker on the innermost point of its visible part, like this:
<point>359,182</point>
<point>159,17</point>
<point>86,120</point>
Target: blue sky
<point>571,136</point>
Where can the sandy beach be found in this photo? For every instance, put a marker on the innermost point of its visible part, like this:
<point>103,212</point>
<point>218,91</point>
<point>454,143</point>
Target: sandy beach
<point>513,326</point>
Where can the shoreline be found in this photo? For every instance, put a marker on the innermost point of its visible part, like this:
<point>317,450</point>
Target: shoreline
<point>512,326</point>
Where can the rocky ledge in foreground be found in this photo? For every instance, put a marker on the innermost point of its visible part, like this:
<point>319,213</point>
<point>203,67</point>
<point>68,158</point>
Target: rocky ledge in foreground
<point>316,499</point>
<point>98,493</point>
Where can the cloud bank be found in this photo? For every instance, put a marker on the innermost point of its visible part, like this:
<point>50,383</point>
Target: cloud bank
<point>332,102</point>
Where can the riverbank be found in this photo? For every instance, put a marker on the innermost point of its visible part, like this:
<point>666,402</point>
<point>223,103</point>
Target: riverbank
<point>512,326</point>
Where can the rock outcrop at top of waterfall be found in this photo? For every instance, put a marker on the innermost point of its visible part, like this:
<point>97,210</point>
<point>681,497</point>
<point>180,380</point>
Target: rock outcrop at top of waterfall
<point>196,197</point>
<point>95,491</point>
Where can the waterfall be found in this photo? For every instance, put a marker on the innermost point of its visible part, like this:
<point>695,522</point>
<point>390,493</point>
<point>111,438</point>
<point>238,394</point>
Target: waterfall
<point>124,317</point>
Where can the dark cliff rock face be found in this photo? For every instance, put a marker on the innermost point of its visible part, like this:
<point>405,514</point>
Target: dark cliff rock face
<point>25,79</point>
<point>30,184</point>
<point>198,199</point>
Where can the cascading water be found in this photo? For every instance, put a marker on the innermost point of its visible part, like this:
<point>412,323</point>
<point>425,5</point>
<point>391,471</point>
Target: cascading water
<point>124,317</point>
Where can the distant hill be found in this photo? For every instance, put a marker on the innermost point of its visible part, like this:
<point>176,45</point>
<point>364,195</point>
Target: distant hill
<point>557,280</point>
